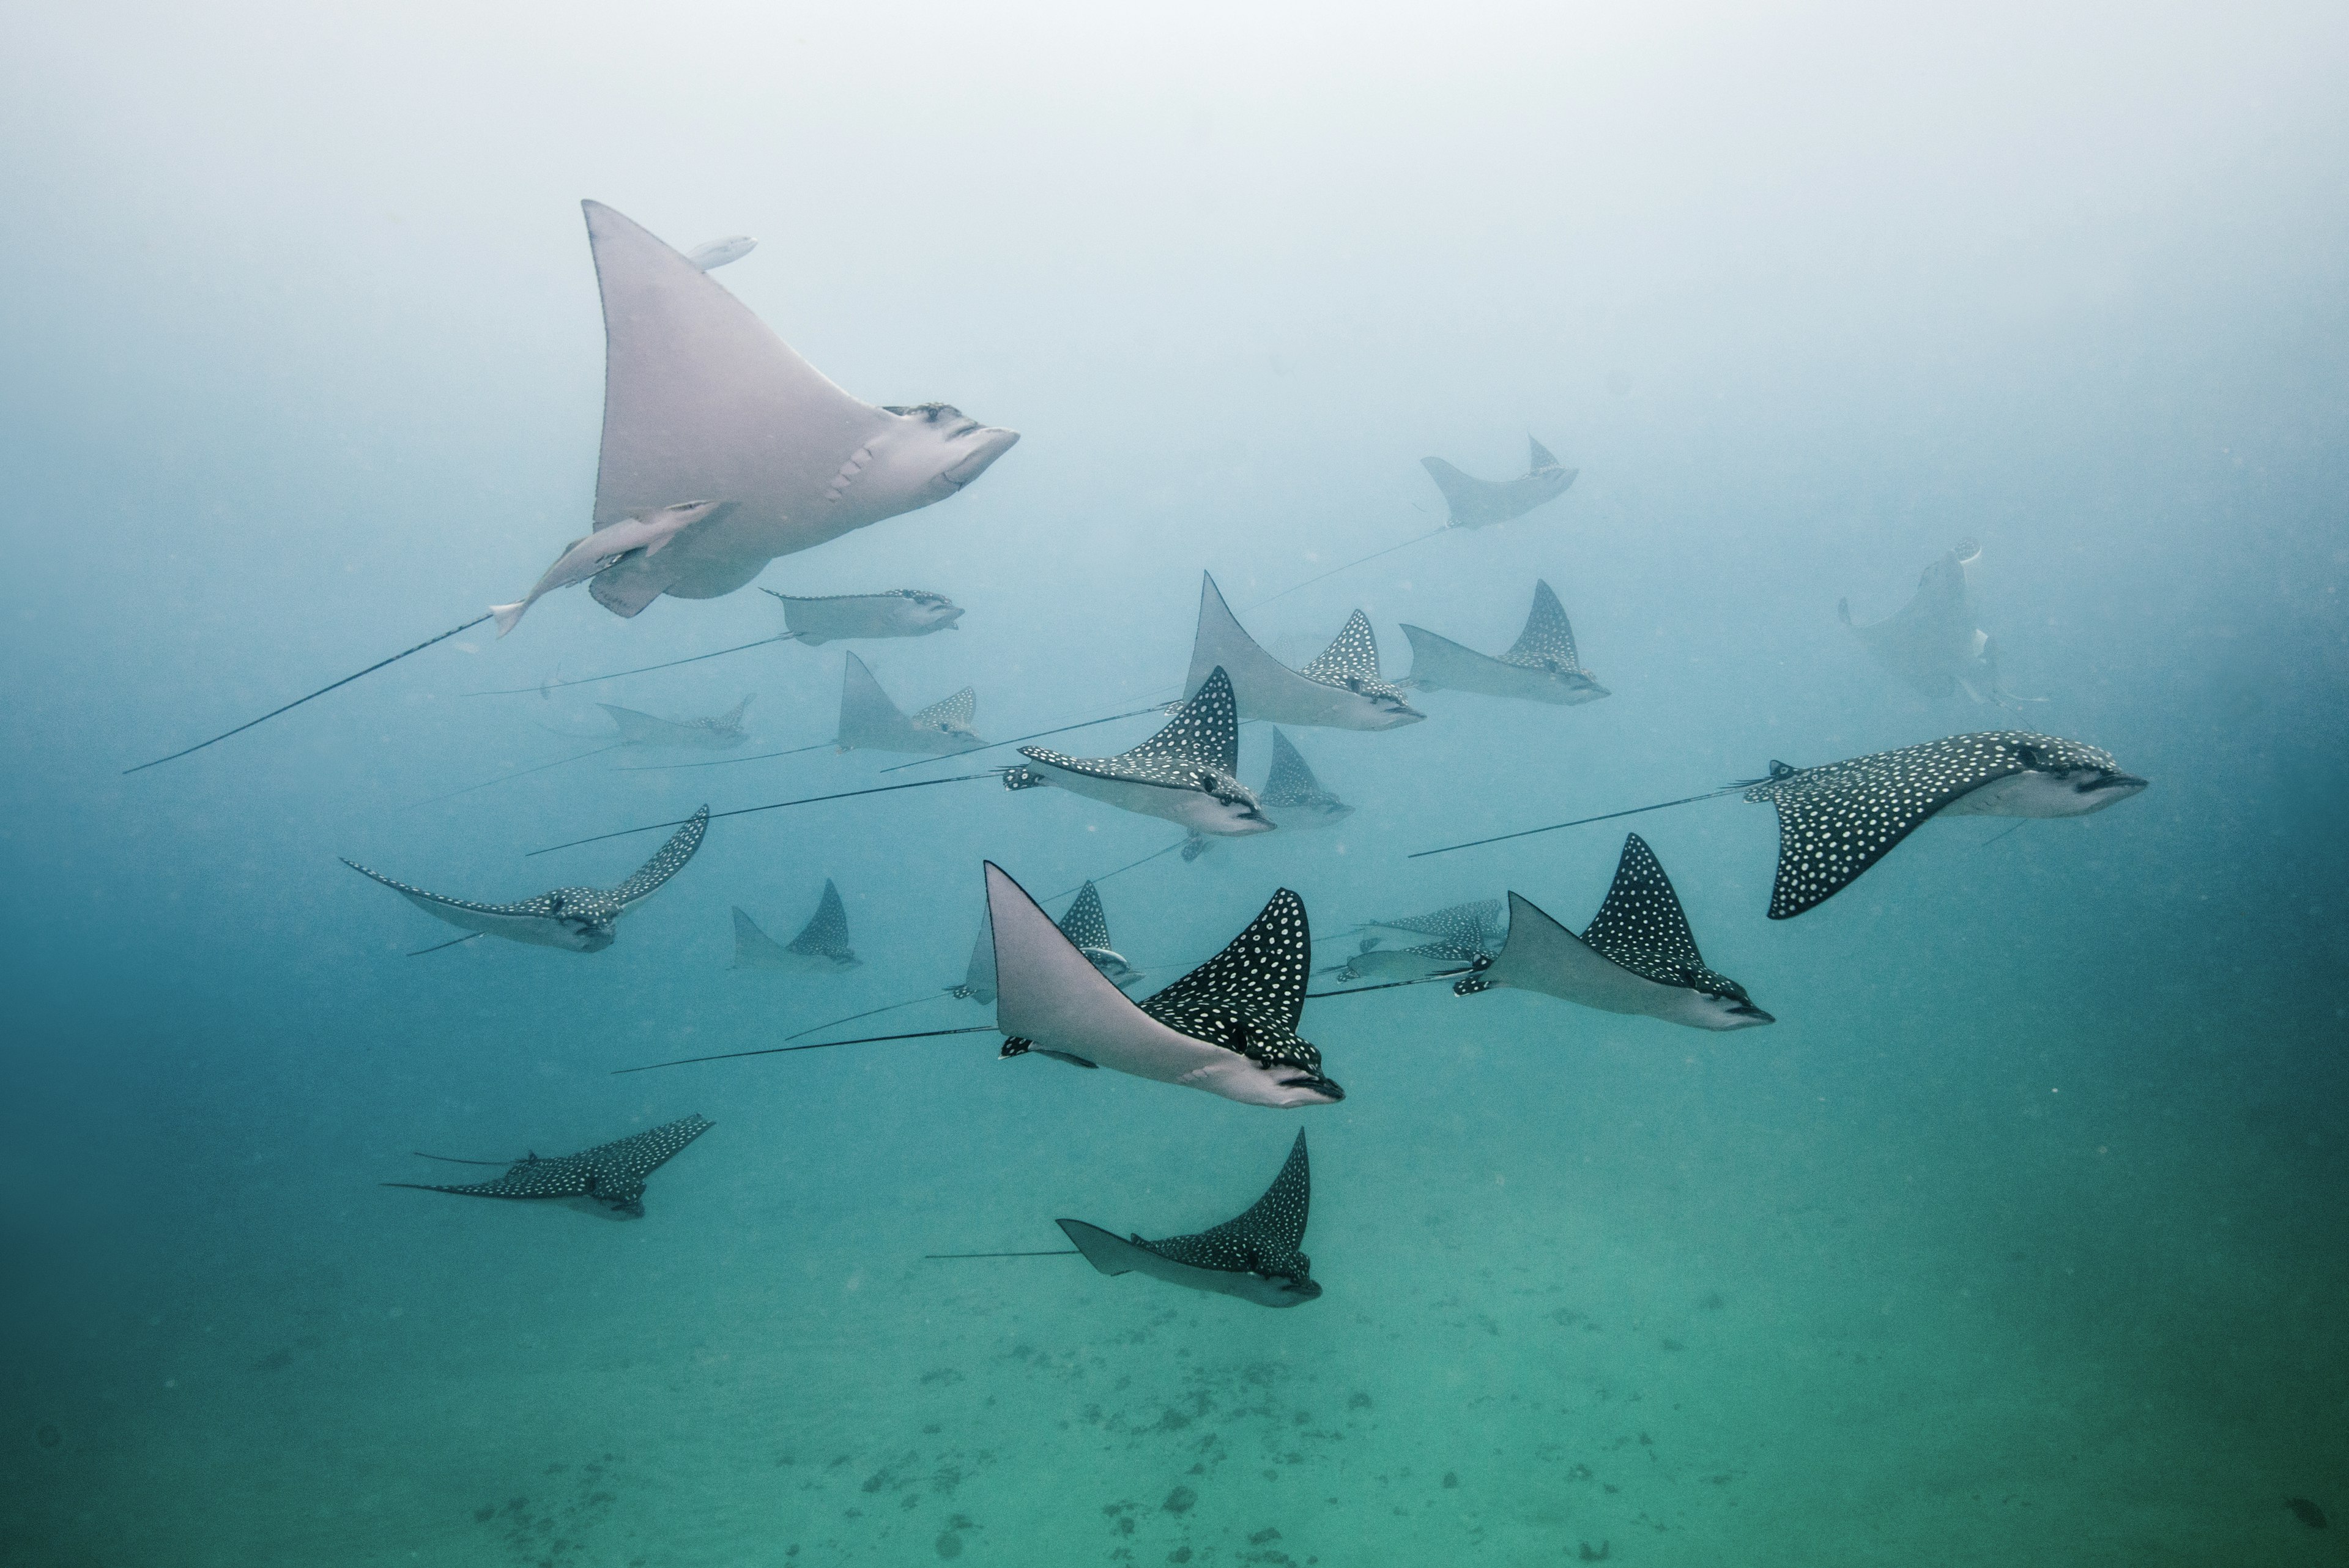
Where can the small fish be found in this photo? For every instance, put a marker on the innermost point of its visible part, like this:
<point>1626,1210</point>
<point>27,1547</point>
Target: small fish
<point>711,254</point>
<point>649,532</point>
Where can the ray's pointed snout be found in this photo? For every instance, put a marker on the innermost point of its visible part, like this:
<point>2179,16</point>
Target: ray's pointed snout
<point>983,445</point>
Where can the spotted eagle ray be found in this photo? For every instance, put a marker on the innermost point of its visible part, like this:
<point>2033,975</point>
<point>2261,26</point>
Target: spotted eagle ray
<point>1932,642</point>
<point>721,734</point>
<point>895,612</point>
<point>1837,820</point>
<point>1463,934</point>
<point>1478,502</point>
<point>700,399</point>
<point>870,721</point>
<point>1084,925</point>
<point>606,1179</point>
<point>1256,1257</point>
<point>1541,666</point>
<point>1292,790</point>
<point>821,948</point>
<point>579,920</point>
<point>649,532</point>
<point>1638,955</point>
<point>1228,1027</point>
<point>1186,773</point>
<point>1342,690</point>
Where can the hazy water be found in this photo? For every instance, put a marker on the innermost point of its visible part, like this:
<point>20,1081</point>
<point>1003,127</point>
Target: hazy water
<point>2019,1237</point>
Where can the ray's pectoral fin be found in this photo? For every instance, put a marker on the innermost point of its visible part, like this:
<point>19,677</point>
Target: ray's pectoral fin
<point>635,582</point>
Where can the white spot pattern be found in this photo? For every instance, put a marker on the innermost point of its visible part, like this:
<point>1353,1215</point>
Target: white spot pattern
<point>826,933</point>
<point>1268,1240</point>
<point>1837,820</point>
<point>1643,927</point>
<point>611,1173</point>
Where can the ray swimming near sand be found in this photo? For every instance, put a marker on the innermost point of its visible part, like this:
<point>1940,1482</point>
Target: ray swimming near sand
<point>1258,1256</point>
<point>609,1179</point>
<point>1227,1027</point>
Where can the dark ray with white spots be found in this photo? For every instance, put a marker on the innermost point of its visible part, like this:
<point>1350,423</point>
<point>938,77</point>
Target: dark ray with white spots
<point>1638,955</point>
<point>1258,1257</point>
<point>1541,666</point>
<point>610,1176</point>
<point>1837,820</point>
<point>1185,772</point>
<point>1340,689</point>
<point>579,920</point>
<point>1479,503</point>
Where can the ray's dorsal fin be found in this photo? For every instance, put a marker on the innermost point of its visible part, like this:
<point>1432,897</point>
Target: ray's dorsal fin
<point>1257,981</point>
<point>1206,729</point>
<point>1268,1239</point>
<point>665,863</point>
<point>1547,641</point>
<point>826,933</point>
<point>1084,924</point>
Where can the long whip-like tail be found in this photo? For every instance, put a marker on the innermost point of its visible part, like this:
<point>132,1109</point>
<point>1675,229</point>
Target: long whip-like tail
<point>1391,549</point>
<point>1389,985</point>
<point>640,670</point>
<point>720,763</point>
<point>1579,821</point>
<point>444,947</point>
<point>502,778</point>
<point>770,805</point>
<point>817,1045</point>
<point>1018,740</point>
<point>1053,1252</point>
<point>321,692</point>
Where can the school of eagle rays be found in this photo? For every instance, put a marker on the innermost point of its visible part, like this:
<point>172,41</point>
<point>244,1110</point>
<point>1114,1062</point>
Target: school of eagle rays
<point>724,450</point>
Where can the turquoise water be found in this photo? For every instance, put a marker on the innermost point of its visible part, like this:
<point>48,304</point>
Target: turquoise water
<point>2019,1236</point>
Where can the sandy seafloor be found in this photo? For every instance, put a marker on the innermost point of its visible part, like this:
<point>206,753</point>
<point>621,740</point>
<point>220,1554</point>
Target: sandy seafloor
<point>1947,1290</point>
